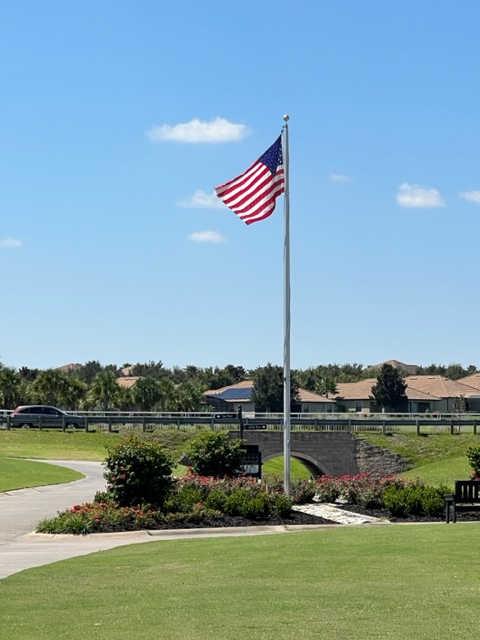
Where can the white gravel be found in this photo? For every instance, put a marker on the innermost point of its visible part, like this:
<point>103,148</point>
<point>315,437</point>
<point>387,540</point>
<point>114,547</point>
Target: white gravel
<point>331,512</point>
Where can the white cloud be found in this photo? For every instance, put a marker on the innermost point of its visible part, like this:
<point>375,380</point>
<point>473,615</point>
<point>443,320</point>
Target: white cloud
<point>414,196</point>
<point>216,130</point>
<point>339,178</point>
<point>10,243</point>
<point>211,237</point>
<point>471,196</point>
<point>202,200</point>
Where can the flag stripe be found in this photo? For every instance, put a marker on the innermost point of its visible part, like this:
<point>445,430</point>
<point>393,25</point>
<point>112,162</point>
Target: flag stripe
<point>248,194</point>
<point>258,209</point>
<point>250,184</point>
<point>252,195</point>
<point>231,183</point>
<point>251,207</point>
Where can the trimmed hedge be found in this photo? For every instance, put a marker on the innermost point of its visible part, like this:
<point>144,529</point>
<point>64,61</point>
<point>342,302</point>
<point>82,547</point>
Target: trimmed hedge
<point>215,453</point>
<point>138,470</point>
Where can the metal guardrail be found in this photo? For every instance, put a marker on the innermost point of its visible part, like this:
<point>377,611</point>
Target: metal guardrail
<point>147,421</point>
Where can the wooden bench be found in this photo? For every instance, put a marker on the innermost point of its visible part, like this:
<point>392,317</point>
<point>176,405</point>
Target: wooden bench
<point>465,498</point>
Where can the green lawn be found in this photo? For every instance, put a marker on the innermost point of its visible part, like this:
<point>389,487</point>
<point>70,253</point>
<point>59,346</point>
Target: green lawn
<point>75,445</point>
<point>19,474</point>
<point>436,458</point>
<point>443,472</point>
<point>273,468</point>
<point>400,582</point>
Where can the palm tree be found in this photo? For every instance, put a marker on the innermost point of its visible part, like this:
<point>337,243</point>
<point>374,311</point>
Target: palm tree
<point>146,393</point>
<point>10,388</point>
<point>104,392</point>
<point>51,387</point>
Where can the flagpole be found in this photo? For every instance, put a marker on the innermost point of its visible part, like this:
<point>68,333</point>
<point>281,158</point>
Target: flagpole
<point>286,318</point>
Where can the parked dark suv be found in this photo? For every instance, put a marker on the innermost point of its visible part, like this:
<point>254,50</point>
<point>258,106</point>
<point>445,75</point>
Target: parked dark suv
<point>40,415</point>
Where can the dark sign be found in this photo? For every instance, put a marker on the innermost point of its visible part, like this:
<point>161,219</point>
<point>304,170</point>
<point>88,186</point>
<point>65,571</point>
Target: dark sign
<point>251,464</point>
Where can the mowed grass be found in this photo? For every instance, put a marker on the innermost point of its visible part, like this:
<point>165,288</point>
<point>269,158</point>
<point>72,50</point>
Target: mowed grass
<point>394,582</point>
<point>77,445</point>
<point>273,469</point>
<point>55,444</point>
<point>19,474</point>
<point>435,458</point>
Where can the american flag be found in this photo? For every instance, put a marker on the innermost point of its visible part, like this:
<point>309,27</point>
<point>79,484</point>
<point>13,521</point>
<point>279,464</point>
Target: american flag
<point>252,194</point>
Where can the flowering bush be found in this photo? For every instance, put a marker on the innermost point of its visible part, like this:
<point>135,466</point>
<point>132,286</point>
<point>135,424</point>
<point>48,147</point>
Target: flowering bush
<point>93,517</point>
<point>301,492</point>
<point>233,497</point>
<point>362,489</point>
<point>191,501</point>
<point>401,498</point>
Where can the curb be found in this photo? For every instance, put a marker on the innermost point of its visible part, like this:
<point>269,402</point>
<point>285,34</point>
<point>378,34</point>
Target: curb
<point>200,532</point>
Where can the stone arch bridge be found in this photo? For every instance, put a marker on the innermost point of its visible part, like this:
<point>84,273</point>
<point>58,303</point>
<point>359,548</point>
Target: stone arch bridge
<point>330,453</point>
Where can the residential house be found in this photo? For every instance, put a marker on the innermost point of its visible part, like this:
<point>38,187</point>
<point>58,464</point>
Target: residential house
<point>425,394</point>
<point>127,382</point>
<point>240,395</point>
<point>472,398</point>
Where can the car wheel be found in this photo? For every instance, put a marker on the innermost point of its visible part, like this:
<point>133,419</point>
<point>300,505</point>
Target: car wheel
<point>26,425</point>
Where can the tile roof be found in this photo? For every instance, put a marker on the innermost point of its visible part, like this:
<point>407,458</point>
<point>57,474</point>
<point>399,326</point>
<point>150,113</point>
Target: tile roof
<point>303,394</point>
<point>472,381</point>
<point>127,382</point>
<point>418,388</point>
<point>439,386</point>
<point>309,396</point>
<point>362,390</point>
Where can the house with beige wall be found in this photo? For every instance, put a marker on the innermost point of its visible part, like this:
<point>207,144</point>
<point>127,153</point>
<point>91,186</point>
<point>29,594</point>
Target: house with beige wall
<point>240,395</point>
<point>425,394</point>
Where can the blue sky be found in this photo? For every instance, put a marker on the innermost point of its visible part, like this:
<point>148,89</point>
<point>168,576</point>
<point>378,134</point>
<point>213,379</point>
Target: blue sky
<point>97,256</point>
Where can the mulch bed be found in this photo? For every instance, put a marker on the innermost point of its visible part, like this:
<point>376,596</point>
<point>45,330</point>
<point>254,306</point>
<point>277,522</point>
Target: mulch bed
<point>237,521</point>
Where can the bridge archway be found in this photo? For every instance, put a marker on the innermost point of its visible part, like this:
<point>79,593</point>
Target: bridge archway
<point>307,460</point>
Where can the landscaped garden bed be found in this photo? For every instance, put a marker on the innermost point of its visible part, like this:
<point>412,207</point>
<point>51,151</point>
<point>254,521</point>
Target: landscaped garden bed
<point>143,494</point>
<point>389,497</point>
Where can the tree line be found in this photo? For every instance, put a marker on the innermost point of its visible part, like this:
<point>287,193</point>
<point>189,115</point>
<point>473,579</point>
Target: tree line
<point>92,386</point>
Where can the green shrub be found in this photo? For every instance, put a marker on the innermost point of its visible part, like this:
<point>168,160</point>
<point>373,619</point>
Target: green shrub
<point>414,499</point>
<point>138,471</point>
<point>215,453</point>
<point>196,516</point>
<point>327,489</point>
<point>216,499</point>
<point>473,457</point>
<point>103,496</point>
<point>184,497</point>
<point>283,505</point>
<point>303,491</point>
<point>361,489</point>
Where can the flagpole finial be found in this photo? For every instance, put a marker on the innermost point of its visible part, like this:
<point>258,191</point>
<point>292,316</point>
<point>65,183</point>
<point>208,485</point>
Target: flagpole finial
<point>286,117</point>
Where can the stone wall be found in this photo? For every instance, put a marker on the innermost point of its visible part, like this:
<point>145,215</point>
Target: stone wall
<point>377,460</point>
<point>330,453</point>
